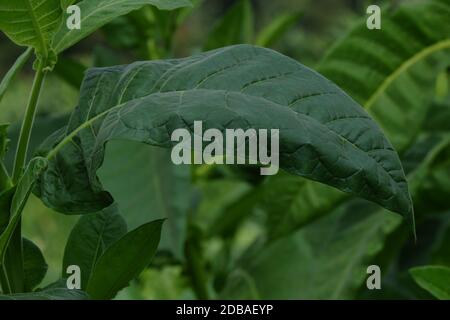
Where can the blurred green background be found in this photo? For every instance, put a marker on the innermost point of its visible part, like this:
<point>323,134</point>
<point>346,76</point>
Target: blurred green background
<point>323,242</point>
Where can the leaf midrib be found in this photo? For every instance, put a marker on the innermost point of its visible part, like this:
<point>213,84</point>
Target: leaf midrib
<point>52,153</point>
<point>37,27</point>
<point>441,45</point>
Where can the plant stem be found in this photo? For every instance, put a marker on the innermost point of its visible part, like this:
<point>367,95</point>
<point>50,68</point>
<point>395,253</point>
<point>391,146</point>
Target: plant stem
<point>195,264</point>
<point>14,262</point>
<point>27,124</point>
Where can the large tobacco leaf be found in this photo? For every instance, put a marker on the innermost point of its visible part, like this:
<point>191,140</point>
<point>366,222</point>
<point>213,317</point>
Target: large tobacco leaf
<point>96,13</point>
<point>31,22</point>
<point>324,134</point>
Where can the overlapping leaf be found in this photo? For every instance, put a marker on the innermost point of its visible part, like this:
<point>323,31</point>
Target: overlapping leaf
<point>227,88</point>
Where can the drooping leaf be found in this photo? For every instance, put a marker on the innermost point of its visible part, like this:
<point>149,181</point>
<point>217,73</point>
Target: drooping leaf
<point>392,71</point>
<point>50,294</point>
<point>31,23</point>
<point>96,13</point>
<point>146,101</point>
<point>235,27</point>
<point>89,239</point>
<point>34,265</point>
<point>275,30</point>
<point>124,260</point>
<point>15,69</point>
<point>434,279</point>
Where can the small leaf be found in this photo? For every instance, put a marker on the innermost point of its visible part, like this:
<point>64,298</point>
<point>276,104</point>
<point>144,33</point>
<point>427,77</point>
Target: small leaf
<point>89,239</point>
<point>434,279</point>
<point>124,260</point>
<point>97,13</point>
<point>34,265</point>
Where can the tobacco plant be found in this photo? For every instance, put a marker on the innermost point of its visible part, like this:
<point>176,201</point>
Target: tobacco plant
<point>326,136</point>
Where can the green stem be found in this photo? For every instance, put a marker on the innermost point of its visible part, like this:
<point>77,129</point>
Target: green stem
<point>14,261</point>
<point>195,264</point>
<point>27,124</point>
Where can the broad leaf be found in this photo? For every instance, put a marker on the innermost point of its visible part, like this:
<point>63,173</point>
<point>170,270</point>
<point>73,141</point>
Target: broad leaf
<point>96,13</point>
<point>392,71</point>
<point>49,294</point>
<point>235,27</point>
<point>146,101</point>
<point>31,23</point>
<point>34,265</point>
<point>124,260</point>
<point>15,69</point>
<point>89,239</point>
<point>434,279</point>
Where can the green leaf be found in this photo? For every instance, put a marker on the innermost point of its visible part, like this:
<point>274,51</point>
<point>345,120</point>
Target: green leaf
<point>235,27</point>
<point>324,260</point>
<point>34,265</point>
<point>124,260</point>
<point>15,69</point>
<point>96,13</point>
<point>291,202</point>
<point>50,294</point>
<point>5,181</point>
<point>434,279</point>
<point>392,71</point>
<point>155,189</point>
<point>277,28</point>
<point>89,239</point>
<point>23,191</point>
<point>5,204</point>
<point>146,101</point>
<point>31,23</point>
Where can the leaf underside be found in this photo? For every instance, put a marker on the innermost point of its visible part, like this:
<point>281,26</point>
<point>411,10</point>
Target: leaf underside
<point>324,134</point>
